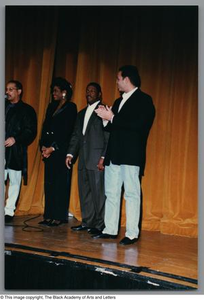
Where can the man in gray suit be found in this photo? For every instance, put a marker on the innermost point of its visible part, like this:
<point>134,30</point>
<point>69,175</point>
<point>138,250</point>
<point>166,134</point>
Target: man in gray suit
<point>89,142</point>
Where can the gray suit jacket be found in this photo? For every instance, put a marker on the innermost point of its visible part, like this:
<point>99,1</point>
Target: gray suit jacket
<point>91,146</point>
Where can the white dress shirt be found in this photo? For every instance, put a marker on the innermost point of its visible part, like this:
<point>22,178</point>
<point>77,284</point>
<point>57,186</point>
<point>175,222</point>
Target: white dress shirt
<point>88,113</point>
<point>125,97</point>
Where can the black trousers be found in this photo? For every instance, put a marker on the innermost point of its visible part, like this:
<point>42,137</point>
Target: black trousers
<point>57,182</point>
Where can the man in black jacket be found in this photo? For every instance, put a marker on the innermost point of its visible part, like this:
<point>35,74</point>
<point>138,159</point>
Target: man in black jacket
<point>129,123</point>
<point>20,131</point>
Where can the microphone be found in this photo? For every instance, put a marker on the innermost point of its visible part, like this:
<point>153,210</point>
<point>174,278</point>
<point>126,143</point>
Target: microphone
<point>5,96</point>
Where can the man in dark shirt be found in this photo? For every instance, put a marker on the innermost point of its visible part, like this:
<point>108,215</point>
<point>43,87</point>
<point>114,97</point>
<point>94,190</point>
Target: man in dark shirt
<point>20,131</point>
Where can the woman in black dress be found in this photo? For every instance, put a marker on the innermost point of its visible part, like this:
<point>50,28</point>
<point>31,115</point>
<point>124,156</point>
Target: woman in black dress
<point>56,132</point>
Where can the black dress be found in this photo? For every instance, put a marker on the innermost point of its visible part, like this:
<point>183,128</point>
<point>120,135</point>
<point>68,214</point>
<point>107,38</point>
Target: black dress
<point>56,132</point>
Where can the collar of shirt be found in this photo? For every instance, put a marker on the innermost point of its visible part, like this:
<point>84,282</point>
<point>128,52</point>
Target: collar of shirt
<point>92,106</point>
<point>125,96</point>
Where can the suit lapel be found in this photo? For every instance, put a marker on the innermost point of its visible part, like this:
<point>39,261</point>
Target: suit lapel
<point>64,106</point>
<point>117,105</point>
<point>82,116</point>
<point>129,100</point>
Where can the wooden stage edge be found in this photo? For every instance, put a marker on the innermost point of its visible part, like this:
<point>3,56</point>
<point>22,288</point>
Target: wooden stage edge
<point>60,259</point>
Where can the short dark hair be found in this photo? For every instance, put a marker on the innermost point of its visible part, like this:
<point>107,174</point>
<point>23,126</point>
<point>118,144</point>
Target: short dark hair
<point>132,73</point>
<point>18,85</point>
<point>62,84</point>
<point>97,86</point>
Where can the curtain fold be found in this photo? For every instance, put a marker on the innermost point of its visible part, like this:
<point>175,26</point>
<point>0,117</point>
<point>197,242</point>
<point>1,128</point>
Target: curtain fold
<point>87,43</point>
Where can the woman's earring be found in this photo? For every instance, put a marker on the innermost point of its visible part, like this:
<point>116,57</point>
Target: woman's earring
<point>63,95</point>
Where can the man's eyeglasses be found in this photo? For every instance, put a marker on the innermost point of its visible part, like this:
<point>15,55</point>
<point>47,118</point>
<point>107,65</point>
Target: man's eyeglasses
<point>11,89</point>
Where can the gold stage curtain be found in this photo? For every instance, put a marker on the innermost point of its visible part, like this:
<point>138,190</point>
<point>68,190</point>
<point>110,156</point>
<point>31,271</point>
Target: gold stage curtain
<point>85,43</point>
<point>30,52</point>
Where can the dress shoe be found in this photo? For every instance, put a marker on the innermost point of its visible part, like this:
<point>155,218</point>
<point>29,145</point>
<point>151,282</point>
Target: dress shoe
<point>104,236</point>
<point>94,231</point>
<point>127,241</point>
<point>55,223</point>
<point>8,218</point>
<point>64,221</point>
<point>44,222</point>
<point>79,228</point>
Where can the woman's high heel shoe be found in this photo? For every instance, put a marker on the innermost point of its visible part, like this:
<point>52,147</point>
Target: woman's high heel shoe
<point>44,222</point>
<point>54,223</point>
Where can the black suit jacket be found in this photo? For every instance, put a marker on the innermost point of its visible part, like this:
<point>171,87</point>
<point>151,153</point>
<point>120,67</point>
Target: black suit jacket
<point>21,123</point>
<point>57,129</point>
<point>129,131</point>
<point>91,146</point>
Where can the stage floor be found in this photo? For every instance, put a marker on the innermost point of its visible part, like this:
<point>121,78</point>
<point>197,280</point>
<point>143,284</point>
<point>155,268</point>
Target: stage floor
<point>155,256</point>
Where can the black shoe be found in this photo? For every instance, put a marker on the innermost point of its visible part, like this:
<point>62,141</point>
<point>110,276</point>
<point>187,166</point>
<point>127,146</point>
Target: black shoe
<point>79,228</point>
<point>55,223</point>
<point>104,236</point>
<point>44,222</point>
<point>94,231</point>
<point>8,218</point>
<point>64,221</point>
<point>127,241</point>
